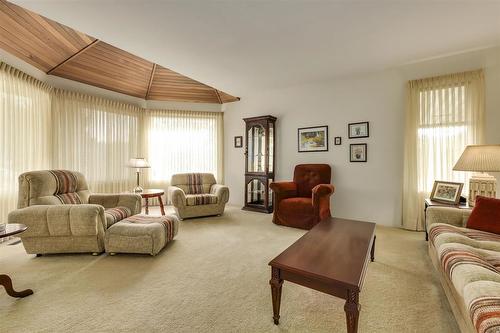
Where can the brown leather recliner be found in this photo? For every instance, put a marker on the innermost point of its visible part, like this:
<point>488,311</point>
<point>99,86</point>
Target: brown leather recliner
<point>305,201</point>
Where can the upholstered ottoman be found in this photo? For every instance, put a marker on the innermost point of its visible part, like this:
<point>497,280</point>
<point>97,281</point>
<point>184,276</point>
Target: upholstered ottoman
<point>141,234</point>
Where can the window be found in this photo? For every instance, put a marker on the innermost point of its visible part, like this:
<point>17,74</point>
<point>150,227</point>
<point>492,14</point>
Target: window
<point>444,114</point>
<point>442,135</point>
<point>182,141</point>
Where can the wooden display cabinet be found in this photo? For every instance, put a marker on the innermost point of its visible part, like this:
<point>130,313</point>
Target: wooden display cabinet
<point>260,166</point>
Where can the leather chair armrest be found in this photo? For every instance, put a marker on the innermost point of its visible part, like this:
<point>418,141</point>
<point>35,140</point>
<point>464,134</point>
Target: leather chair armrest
<point>221,191</point>
<point>284,189</point>
<point>130,200</point>
<point>176,196</point>
<point>60,220</point>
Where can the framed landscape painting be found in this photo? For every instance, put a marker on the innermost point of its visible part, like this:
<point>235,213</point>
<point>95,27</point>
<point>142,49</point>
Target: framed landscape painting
<point>446,192</point>
<point>313,139</point>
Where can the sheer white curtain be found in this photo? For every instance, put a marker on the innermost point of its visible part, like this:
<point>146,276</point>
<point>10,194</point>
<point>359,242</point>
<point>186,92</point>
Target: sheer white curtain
<point>444,114</point>
<point>25,136</point>
<point>42,128</point>
<point>182,141</point>
<point>96,137</point>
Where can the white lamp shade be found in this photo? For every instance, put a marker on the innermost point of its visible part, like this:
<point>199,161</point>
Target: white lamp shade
<point>138,163</point>
<point>479,158</point>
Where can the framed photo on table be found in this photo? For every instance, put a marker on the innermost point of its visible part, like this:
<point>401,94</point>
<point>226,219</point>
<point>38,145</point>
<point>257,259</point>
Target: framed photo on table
<point>446,192</point>
<point>359,130</point>
<point>312,139</point>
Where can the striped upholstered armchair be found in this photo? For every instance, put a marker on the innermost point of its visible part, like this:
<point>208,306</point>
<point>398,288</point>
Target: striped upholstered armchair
<point>63,216</point>
<point>197,194</point>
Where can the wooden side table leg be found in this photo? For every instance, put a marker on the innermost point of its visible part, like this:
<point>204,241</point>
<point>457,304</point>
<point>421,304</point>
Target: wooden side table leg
<point>372,252</point>
<point>276,283</point>
<point>147,206</point>
<point>351,309</point>
<point>6,281</point>
<point>162,209</point>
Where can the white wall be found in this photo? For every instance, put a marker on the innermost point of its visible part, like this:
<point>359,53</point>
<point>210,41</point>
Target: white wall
<point>368,191</point>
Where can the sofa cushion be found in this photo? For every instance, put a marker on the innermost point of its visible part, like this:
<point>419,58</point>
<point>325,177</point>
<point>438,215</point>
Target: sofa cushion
<point>486,215</point>
<point>116,214</point>
<point>200,199</point>
<point>440,233</point>
<point>483,301</point>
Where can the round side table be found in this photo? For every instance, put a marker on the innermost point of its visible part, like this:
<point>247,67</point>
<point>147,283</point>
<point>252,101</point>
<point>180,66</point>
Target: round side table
<point>5,280</point>
<point>153,193</point>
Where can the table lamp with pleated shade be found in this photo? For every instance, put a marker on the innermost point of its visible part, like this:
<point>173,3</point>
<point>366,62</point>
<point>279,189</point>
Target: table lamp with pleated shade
<point>480,158</point>
<point>138,164</point>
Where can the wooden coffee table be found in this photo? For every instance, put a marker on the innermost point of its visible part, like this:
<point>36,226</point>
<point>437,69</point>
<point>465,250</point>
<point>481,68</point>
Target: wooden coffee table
<point>5,280</point>
<point>332,258</point>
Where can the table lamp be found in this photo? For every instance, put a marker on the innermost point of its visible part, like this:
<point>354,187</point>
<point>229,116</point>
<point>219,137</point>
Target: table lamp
<point>138,164</point>
<point>480,158</point>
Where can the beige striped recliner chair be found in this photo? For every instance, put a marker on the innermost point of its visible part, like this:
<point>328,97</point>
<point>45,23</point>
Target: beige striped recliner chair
<point>63,216</point>
<point>197,194</point>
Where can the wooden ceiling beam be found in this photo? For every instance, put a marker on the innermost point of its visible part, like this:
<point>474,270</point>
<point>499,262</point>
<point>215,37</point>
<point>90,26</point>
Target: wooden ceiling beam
<point>150,81</point>
<point>74,56</point>
<point>218,96</point>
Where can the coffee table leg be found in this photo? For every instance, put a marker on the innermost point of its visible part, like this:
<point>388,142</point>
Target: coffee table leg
<point>351,309</point>
<point>6,281</point>
<point>372,253</point>
<point>162,209</point>
<point>276,284</point>
<point>147,206</point>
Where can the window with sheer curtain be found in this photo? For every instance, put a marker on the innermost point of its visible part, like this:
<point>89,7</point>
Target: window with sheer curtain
<point>445,114</point>
<point>97,137</point>
<point>182,141</point>
<point>25,121</point>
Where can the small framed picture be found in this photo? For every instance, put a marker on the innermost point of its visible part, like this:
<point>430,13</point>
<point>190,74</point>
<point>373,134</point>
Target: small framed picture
<point>358,152</point>
<point>446,192</point>
<point>238,141</point>
<point>359,130</point>
<point>338,140</point>
<point>313,139</point>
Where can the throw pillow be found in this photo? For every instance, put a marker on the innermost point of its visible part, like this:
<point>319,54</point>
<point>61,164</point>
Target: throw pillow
<point>485,215</point>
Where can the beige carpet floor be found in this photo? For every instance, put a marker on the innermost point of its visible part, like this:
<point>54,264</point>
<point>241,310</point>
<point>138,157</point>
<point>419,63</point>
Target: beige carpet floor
<point>214,278</point>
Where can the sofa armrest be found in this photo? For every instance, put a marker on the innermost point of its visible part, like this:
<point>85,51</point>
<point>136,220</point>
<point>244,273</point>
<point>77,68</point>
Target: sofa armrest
<point>221,191</point>
<point>321,191</point>
<point>284,189</point>
<point>448,215</point>
<point>176,196</point>
<point>60,220</point>
<point>130,200</point>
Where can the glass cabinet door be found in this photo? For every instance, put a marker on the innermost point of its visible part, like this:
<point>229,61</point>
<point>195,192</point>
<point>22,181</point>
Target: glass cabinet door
<point>256,148</point>
<point>255,192</point>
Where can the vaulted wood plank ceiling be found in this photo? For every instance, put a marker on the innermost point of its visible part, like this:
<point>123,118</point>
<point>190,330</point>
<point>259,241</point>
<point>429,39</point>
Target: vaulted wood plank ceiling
<point>61,51</point>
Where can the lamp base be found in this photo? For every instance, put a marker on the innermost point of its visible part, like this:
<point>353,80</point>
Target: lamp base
<point>483,185</point>
<point>138,189</point>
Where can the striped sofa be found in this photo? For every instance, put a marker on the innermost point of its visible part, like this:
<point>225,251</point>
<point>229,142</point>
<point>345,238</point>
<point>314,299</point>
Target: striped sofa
<point>468,262</point>
<point>63,216</point>
<point>197,194</point>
